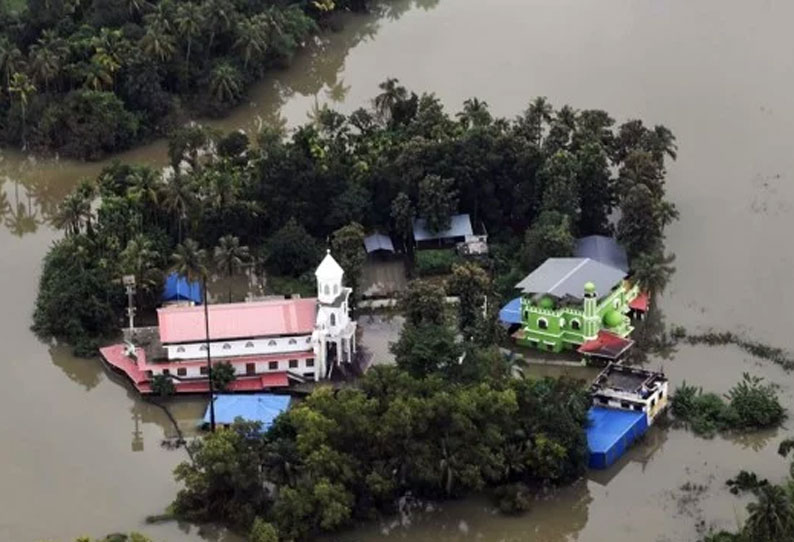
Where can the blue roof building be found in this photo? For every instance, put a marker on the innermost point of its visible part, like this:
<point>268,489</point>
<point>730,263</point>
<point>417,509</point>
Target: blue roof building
<point>177,288</point>
<point>259,407</point>
<point>511,312</point>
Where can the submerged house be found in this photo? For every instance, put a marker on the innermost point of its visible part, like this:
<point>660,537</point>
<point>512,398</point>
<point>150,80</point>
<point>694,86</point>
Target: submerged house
<point>269,343</point>
<point>626,402</point>
<point>574,304</point>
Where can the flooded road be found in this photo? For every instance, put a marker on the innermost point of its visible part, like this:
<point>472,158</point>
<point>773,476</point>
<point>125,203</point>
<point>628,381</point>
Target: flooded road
<point>80,454</point>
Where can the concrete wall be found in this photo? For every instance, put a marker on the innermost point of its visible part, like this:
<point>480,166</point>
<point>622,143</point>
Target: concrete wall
<point>248,347</point>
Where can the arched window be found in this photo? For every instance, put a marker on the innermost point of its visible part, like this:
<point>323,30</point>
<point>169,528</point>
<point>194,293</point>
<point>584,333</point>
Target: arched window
<point>227,346</point>
<point>336,289</point>
<point>576,324</point>
<point>271,342</point>
<point>203,348</point>
<point>543,323</point>
<point>333,319</point>
<point>180,349</point>
<point>293,341</point>
<point>308,340</point>
<point>249,344</point>
<point>327,290</point>
<point>562,322</point>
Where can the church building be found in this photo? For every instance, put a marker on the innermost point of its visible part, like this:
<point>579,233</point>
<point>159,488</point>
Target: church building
<point>269,343</point>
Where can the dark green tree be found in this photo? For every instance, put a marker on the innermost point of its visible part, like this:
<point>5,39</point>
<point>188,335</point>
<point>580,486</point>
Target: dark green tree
<point>438,201</point>
<point>549,237</point>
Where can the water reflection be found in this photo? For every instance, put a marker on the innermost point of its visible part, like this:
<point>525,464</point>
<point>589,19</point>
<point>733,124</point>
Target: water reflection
<point>84,371</point>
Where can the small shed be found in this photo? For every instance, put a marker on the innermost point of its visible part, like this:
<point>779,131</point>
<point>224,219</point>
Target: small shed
<point>610,433</point>
<point>258,407</point>
<point>177,288</point>
<point>459,230</point>
<point>377,242</point>
<point>605,250</point>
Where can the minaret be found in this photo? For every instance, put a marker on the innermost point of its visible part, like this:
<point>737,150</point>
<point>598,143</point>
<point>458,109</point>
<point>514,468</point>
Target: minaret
<point>591,321</point>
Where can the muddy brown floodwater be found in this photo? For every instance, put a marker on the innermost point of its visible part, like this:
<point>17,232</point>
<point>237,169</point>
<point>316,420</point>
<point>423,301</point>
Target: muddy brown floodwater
<point>81,454</point>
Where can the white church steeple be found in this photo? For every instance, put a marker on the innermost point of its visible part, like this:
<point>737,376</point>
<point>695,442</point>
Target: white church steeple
<point>329,279</point>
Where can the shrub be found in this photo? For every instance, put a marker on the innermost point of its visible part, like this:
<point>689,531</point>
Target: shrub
<point>435,262</point>
<point>755,404</point>
<point>162,385</point>
<point>222,375</point>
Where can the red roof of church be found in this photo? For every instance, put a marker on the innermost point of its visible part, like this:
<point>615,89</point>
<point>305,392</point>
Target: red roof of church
<point>238,320</point>
<point>640,303</point>
<point>606,345</point>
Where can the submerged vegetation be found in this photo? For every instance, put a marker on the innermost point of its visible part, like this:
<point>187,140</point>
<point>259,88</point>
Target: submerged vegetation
<point>89,78</point>
<point>751,404</point>
<point>347,456</point>
<point>544,176</point>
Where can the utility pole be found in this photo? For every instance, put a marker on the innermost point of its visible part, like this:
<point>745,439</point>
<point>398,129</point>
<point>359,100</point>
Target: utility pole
<point>209,359</point>
<point>129,286</point>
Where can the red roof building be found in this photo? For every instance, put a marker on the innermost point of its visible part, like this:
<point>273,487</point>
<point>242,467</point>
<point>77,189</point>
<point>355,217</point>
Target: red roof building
<point>606,345</point>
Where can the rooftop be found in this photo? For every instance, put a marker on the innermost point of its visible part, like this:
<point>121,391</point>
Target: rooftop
<point>566,277</point>
<point>378,241</point>
<point>459,226</point>
<point>626,379</point>
<point>602,249</point>
<point>237,320</point>
<point>177,288</point>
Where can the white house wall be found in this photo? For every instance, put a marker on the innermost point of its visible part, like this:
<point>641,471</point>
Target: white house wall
<point>250,347</point>
<point>302,366</point>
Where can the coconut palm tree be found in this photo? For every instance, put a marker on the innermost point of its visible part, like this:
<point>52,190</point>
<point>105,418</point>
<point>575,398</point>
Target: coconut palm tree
<point>391,95</point>
<point>225,83</point>
<point>653,270</point>
<point>772,516</point>
<point>230,257</point>
<point>73,212</point>
<point>178,198</point>
<point>251,40</point>
<point>139,258</point>
<point>475,113</point>
<point>189,261</point>
<point>11,59</point>
<point>96,73</point>
<point>218,16</point>
<point>47,56</point>
<point>189,22</point>
<point>157,42</point>
<point>22,87</point>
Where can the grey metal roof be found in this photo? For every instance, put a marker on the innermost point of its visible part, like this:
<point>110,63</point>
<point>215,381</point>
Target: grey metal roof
<point>378,241</point>
<point>566,277</point>
<point>602,249</point>
<point>459,226</point>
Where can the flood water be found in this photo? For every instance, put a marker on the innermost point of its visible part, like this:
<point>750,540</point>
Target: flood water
<point>81,454</point>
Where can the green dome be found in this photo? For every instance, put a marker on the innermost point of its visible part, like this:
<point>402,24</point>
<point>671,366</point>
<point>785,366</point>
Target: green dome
<point>589,287</point>
<point>612,318</point>
<point>546,303</point>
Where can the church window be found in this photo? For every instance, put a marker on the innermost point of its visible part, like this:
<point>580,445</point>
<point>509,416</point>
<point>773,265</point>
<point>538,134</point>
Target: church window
<point>327,290</point>
<point>308,340</point>
<point>333,319</point>
<point>336,289</point>
<point>293,364</point>
<point>249,344</point>
<point>271,342</point>
<point>227,346</point>
<point>203,348</point>
<point>543,323</point>
<point>293,341</point>
<point>576,324</point>
<point>310,362</point>
<point>180,349</point>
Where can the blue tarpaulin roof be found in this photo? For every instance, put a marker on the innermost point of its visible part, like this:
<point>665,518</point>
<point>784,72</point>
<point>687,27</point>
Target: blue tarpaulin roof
<point>259,407</point>
<point>602,249</point>
<point>177,288</point>
<point>378,241</point>
<point>611,432</point>
<point>459,226</point>
<point>511,313</point>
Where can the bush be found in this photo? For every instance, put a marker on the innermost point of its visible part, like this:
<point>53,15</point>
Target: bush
<point>755,404</point>
<point>435,262</point>
<point>162,385</point>
<point>222,375</point>
<point>262,531</point>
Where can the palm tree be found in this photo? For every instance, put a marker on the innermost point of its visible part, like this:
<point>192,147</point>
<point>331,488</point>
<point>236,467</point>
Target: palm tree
<point>218,15</point>
<point>391,95</point>
<point>177,198</point>
<point>652,271</point>
<point>251,39</point>
<point>46,57</point>
<point>97,75</point>
<point>538,114</point>
<point>189,22</point>
<point>475,113</point>
<point>139,258</point>
<point>23,88</point>
<point>190,262</point>
<point>225,83</point>
<point>157,42</point>
<point>230,257</point>
<point>772,516</point>
<point>71,214</point>
<point>11,59</point>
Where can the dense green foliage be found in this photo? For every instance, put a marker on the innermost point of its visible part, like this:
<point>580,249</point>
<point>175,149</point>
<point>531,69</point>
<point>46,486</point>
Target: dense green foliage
<point>434,261</point>
<point>88,78</point>
<point>339,176</point>
<point>339,457</point>
<point>751,405</point>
